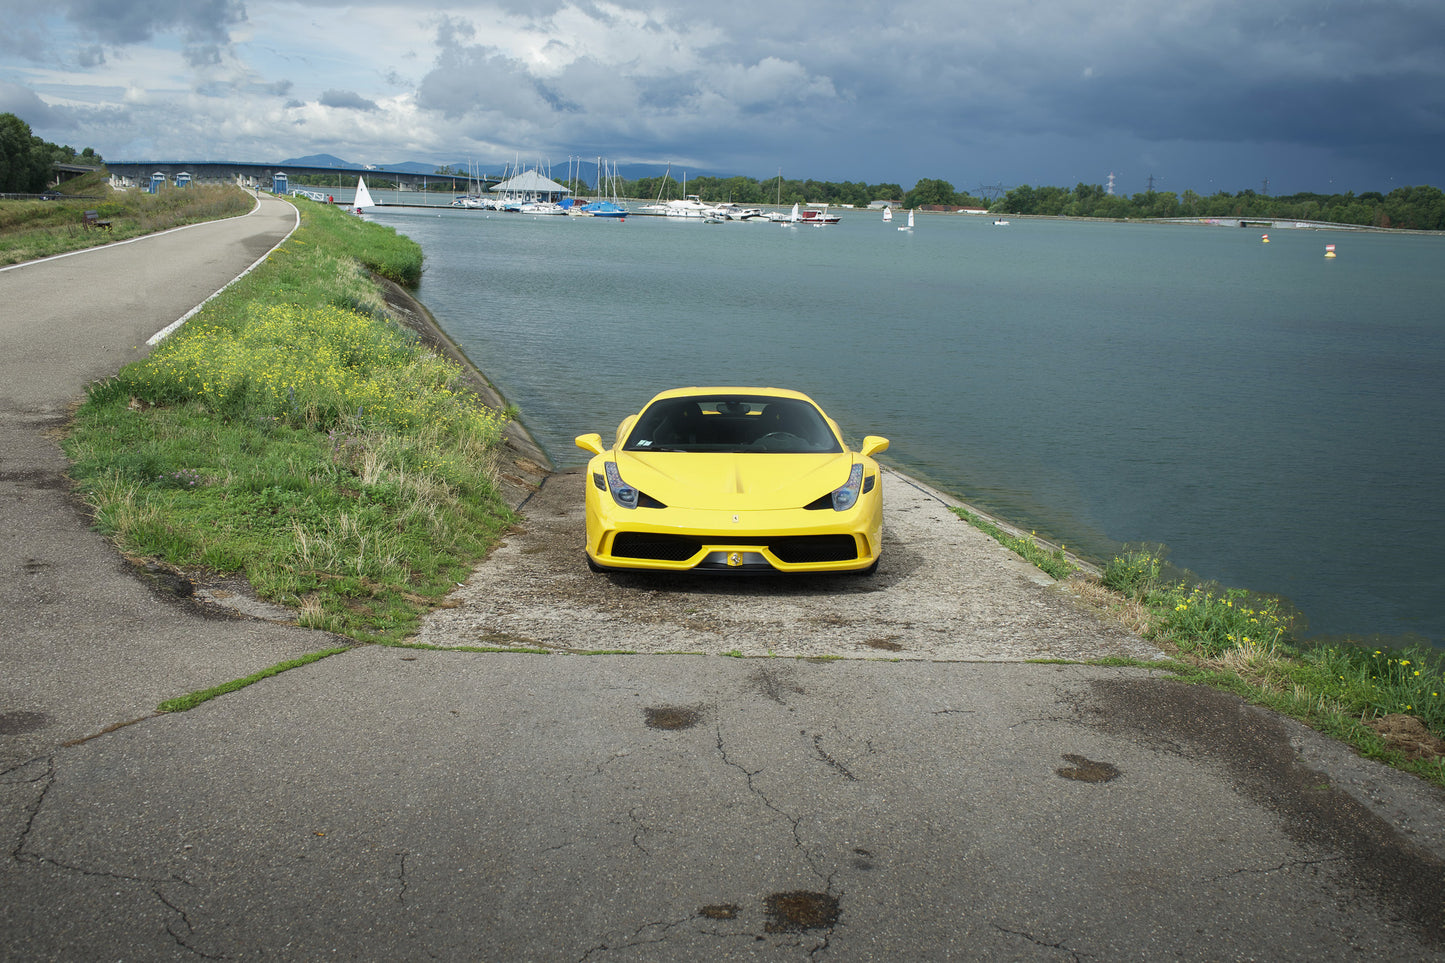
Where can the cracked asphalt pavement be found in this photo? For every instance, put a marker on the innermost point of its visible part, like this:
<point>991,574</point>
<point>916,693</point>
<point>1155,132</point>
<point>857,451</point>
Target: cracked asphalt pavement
<point>395,804</point>
<point>930,796</point>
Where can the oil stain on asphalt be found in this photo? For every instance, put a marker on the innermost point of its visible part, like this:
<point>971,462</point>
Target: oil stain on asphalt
<point>800,910</point>
<point>1083,769</point>
<point>672,717</point>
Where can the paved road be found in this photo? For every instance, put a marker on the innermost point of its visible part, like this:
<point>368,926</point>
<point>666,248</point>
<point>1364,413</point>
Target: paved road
<point>84,643</point>
<point>396,804</point>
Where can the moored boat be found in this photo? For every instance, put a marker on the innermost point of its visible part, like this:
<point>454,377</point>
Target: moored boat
<point>689,206</point>
<point>818,215</point>
<point>604,209</point>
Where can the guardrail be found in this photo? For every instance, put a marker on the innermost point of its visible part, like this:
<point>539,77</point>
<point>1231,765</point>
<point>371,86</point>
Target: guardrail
<point>51,196</point>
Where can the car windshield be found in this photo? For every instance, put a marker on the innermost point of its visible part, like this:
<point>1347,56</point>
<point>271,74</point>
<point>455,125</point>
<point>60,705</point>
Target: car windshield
<point>732,423</point>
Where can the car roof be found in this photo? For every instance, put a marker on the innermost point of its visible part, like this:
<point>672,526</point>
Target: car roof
<point>731,390</point>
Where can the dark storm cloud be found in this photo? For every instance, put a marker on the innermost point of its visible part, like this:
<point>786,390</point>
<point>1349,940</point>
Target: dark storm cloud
<point>25,103</point>
<point>470,79</point>
<point>1051,92</point>
<point>119,22</point>
<point>1277,79</point>
<point>1361,81</point>
<point>347,99</point>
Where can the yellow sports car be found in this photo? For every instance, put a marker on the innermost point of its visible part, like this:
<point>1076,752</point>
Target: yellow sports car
<point>733,480</point>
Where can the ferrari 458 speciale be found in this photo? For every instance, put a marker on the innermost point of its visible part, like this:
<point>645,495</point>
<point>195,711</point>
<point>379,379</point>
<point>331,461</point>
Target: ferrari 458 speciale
<point>734,480</point>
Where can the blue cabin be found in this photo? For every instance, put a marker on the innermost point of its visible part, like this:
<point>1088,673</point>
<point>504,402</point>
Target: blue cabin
<point>158,180</point>
<point>279,182</point>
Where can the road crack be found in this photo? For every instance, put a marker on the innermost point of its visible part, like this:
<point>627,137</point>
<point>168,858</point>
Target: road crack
<point>1061,947</point>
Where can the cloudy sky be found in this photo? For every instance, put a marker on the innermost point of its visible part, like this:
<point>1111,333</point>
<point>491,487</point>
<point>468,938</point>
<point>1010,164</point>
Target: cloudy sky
<point>1208,95</point>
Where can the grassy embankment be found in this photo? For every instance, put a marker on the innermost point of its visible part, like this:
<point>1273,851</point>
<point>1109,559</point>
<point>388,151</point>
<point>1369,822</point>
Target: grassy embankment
<point>1236,640</point>
<point>292,433</point>
<point>35,229</point>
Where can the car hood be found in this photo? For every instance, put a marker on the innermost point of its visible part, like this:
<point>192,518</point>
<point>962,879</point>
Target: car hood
<point>730,481</point>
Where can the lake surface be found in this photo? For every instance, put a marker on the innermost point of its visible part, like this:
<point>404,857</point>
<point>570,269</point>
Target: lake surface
<point>1272,416</point>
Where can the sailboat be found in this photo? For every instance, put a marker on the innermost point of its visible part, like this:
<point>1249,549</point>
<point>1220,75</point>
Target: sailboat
<point>910,222</point>
<point>604,208</point>
<point>887,214</point>
<point>363,196</point>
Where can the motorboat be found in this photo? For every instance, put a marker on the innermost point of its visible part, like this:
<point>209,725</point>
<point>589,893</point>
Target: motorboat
<point>736,212</point>
<point>818,216</point>
<point>689,206</point>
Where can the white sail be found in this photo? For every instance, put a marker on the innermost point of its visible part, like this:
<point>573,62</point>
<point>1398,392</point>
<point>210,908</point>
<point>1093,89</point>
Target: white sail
<point>887,213</point>
<point>363,196</point>
<point>909,227</point>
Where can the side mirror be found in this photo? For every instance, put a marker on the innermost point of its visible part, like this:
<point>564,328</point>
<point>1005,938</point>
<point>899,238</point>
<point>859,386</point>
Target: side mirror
<point>872,445</point>
<point>590,442</point>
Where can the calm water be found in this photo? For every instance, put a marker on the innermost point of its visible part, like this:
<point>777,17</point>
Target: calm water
<point>1275,418</point>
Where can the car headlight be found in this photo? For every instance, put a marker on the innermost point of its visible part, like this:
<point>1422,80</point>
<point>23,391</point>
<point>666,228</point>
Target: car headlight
<point>622,493</point>
<point>846,497</point>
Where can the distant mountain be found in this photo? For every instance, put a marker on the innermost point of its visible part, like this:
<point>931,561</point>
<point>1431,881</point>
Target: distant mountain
<point>319,160</point>
<point>331,160</point>
<point>412,167</point>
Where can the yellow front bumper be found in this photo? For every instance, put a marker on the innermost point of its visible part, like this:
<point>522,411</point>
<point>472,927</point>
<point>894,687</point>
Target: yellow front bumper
<point>793,540</point>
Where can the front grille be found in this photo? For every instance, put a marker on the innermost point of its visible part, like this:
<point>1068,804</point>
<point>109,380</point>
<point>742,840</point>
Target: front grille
<point>666,548</point>
<point>792,549</point>
<point>796,549</point>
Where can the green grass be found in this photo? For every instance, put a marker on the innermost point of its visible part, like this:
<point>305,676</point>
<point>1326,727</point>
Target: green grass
<point>185,702</point>
<point>1247,643</point>
<point>35,229</point>
<point>293,433</point>
<point>1051,560</point>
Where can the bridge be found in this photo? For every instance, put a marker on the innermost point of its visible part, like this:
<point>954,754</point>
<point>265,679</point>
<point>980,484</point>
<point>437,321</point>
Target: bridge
<point>131,174</point>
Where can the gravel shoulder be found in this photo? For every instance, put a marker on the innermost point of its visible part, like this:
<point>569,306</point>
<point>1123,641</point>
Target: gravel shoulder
<point>943,591</point>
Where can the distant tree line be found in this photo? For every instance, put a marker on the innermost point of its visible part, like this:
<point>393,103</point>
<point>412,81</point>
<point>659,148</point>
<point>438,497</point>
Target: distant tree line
<point>1416,208</point>
<point>26,160</point>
